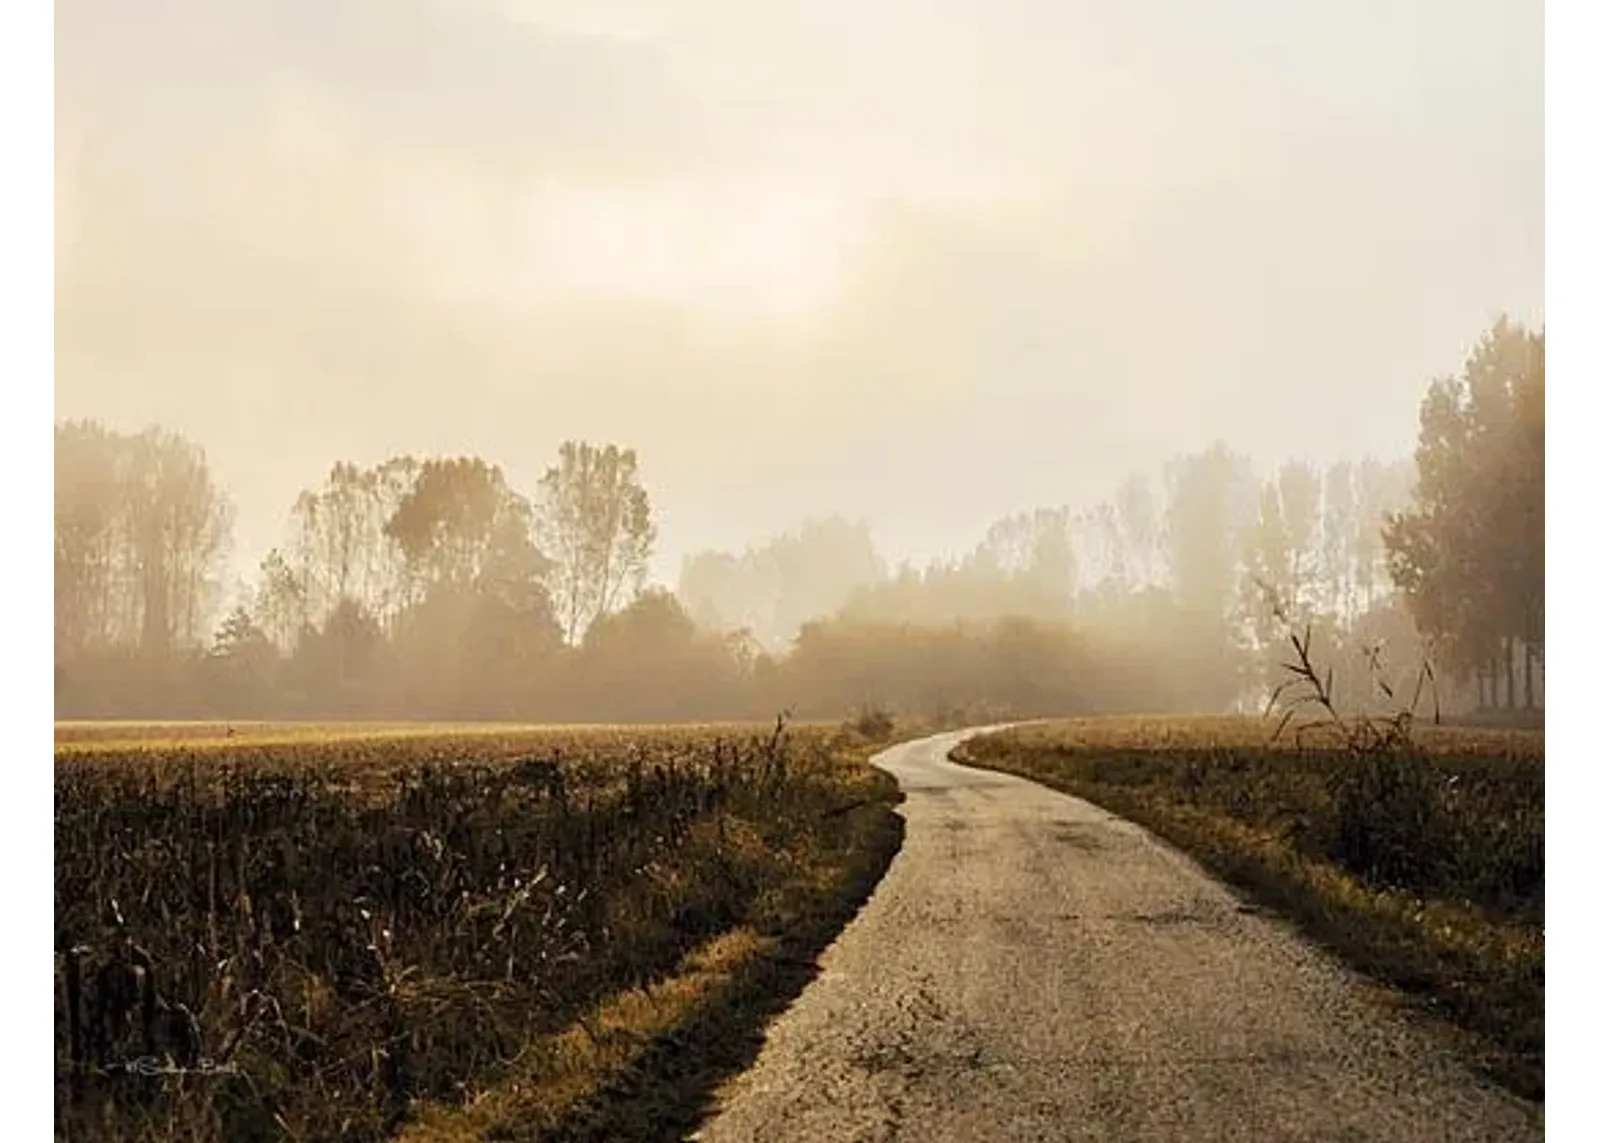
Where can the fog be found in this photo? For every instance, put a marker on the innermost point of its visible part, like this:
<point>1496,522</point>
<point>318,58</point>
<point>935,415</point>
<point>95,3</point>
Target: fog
<point>927,263</point>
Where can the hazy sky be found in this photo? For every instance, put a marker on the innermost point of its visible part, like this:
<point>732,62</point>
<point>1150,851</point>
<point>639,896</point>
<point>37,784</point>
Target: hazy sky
<point>924,262</point>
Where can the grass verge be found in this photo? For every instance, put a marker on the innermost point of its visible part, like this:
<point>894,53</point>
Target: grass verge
<point>1424,872</point>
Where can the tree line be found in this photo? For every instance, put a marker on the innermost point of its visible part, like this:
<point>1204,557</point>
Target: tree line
<point>431,588</point>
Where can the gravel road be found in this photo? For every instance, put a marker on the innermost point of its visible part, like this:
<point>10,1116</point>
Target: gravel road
<point>1034,968</point>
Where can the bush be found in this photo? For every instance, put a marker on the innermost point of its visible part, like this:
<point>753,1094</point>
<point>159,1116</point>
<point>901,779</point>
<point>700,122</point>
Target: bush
<point>1387,823</point>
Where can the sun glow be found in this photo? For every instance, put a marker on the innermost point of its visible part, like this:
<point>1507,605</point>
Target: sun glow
<point>729,249</point>
<point>739,249</point>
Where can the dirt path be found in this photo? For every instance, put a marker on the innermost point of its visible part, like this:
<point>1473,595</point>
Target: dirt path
<point>1033,968</point>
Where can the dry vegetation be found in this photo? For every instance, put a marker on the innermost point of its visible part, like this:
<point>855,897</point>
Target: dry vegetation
<point>1421,865</point>
<point>507,932</point>
<point>115,736</point>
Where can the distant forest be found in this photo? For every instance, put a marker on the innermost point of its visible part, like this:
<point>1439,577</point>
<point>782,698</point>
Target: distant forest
<point>429,588</point>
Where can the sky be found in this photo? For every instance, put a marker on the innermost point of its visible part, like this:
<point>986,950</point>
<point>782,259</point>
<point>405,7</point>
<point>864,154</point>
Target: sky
<point>925,263</point>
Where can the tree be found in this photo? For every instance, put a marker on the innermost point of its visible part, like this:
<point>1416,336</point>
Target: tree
<point>281,606</point>
<point>336,663</point>
<point>461,526</point>
<point>340,549</point>
<point>1105,539</point>
<point>1007,547</point>
<point>709,587</point>
<point>243,660</point>
<point>774,588</point>
<point>141,533</point>
<point>1027,564</point>
<point>1339,522</point>
<point>648,661</point>
<point>482,626</point>
<point>181,525</point>
<point>88,542</point>
<point>1213,502</point>
<point>1468,555</point>
<point>1139,525</point>
<point>816,568</point>
<point>415,580</point>
<point>592,519</point>
<point>1381,490</point>
<point>1300,495</point>
<point>1053,567</point>
<point>1267,567</point>
<point>472,652</point>
<point>1524,518</point>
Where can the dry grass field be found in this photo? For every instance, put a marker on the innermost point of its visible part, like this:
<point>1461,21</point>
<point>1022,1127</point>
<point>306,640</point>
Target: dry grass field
<point>336,931</point>
<point>117,737</point>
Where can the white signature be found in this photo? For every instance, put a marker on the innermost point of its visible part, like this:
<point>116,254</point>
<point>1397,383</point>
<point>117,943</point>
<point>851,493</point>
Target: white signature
<point>150,1066</point>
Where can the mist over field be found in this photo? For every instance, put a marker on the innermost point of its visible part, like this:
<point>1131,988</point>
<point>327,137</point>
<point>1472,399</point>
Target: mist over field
<point>900,316</point>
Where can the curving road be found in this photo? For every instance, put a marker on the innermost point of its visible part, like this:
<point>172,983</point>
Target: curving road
<point>1033,968</point>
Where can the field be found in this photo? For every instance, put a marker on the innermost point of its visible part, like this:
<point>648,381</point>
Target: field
<point>118,736</point>
<point>1423,867</point>
<point>293,931</point>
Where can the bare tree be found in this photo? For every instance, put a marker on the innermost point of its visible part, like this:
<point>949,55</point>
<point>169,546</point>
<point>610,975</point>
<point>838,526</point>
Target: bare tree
<point>340,549</point>
<point>86,537</point>
<point>141,533</point>
<point>593,522</point>
<point>1300,495</point>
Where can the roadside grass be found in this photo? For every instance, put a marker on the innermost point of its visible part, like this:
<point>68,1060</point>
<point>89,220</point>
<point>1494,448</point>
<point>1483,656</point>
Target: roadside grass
<point>1422,868</point>
<point>529,934</point>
